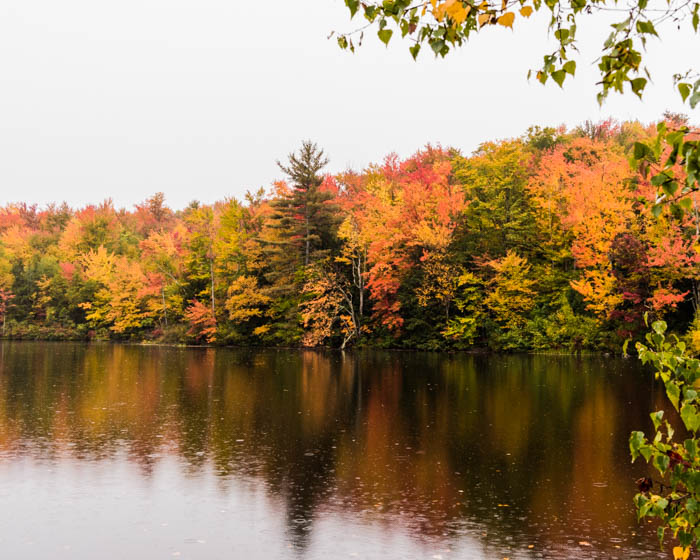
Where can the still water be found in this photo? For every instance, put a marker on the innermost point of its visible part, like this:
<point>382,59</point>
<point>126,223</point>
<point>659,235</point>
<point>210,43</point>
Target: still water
<point>128,452</point>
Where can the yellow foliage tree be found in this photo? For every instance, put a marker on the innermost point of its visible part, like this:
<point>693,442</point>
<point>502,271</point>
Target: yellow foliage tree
<point>245,299</point>
<point>511,293</point>
<point>125,297</point>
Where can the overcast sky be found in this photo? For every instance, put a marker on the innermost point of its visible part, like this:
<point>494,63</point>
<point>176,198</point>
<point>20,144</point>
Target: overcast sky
<point>199,98</point>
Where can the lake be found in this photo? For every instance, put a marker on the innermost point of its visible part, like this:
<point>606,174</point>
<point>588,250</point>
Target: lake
<point>131,452</point>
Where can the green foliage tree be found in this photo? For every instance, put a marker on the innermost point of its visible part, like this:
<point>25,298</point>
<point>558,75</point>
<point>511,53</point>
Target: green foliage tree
<point>499,216</point>
<point>464,327</point>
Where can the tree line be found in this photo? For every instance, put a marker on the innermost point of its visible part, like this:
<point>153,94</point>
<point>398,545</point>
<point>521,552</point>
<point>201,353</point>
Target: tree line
<point>539,242</point>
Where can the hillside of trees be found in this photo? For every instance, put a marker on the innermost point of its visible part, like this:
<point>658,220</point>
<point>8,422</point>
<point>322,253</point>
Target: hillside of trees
<point>540,242</point>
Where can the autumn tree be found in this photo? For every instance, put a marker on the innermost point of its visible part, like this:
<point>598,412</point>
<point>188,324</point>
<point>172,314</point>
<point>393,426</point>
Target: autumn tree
<point>230,239</point>
<point>201,321</point>
<point>583,189</point>
<point>124,298</point>
<point>330,305</point>
<point>152,214</point>
<point>409,213</point>
<point>440,282</point>
<point>164,254</point>
<point>201,223</point>
<point>93,227</point>
<point>247,305</point>
<point>511,295</point>
<point>6,280</point>
<point>353,254</point>
<point>464,327</point>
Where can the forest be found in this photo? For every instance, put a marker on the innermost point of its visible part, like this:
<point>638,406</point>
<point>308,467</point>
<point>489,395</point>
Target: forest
<point>542,242</point>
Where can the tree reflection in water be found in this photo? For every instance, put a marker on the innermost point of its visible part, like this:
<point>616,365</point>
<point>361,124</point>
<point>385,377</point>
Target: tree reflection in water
<point>492,455</point>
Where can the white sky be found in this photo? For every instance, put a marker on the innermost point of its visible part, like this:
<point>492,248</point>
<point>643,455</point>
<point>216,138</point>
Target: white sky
<point>199,98</point>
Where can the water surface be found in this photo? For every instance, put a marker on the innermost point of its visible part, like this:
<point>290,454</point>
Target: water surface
<point>135,452</point>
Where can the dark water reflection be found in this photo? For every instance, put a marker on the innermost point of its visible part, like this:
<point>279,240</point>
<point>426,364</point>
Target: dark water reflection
<point>132,452</point>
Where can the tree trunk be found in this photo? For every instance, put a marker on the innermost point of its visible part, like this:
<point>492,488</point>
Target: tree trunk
<point>165,309</point>
<point>308,240</point>
<point>211,273</point>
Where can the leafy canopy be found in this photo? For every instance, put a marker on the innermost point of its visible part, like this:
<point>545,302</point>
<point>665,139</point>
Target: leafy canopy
<point>444,25</point>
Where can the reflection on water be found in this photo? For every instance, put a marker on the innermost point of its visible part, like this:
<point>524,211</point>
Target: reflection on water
<point>133,452</point>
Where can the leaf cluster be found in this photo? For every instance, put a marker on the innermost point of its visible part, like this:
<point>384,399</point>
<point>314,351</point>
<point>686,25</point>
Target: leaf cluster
<point>675,500</point>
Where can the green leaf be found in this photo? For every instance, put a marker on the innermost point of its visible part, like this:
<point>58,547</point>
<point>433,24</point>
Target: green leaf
<point>570,67</point>
<point>646,27</point>
<point>561,34</point>
<point>691,446</point>
<point>437,45</point>
<point>558,76</point>
<point>636,441</point>
<point>670,188</point>
<point>640,150</point>
<point>695,99</point>
<point>638,85</point>
<point>656,418</point>
<point>674,393</point>
<point>660,179</point>
<point>643,504</point>
<point>385,35</point>
<point>675,137</point>
<point>661,462</point>
<point>690,417</point>
<point>353,5</point>
<point>684,90</point>
<point>685,203</point>
<point>415,49</point>
<point>685,538</point>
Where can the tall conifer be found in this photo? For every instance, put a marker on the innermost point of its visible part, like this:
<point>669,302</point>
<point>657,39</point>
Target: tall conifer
<point>304,212</point>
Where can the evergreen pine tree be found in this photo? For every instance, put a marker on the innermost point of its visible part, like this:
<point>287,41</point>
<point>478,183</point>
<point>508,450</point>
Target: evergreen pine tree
<point>305,213</point>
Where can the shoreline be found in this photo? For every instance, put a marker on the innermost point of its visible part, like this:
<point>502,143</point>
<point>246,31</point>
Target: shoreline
<point>473,352</point>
